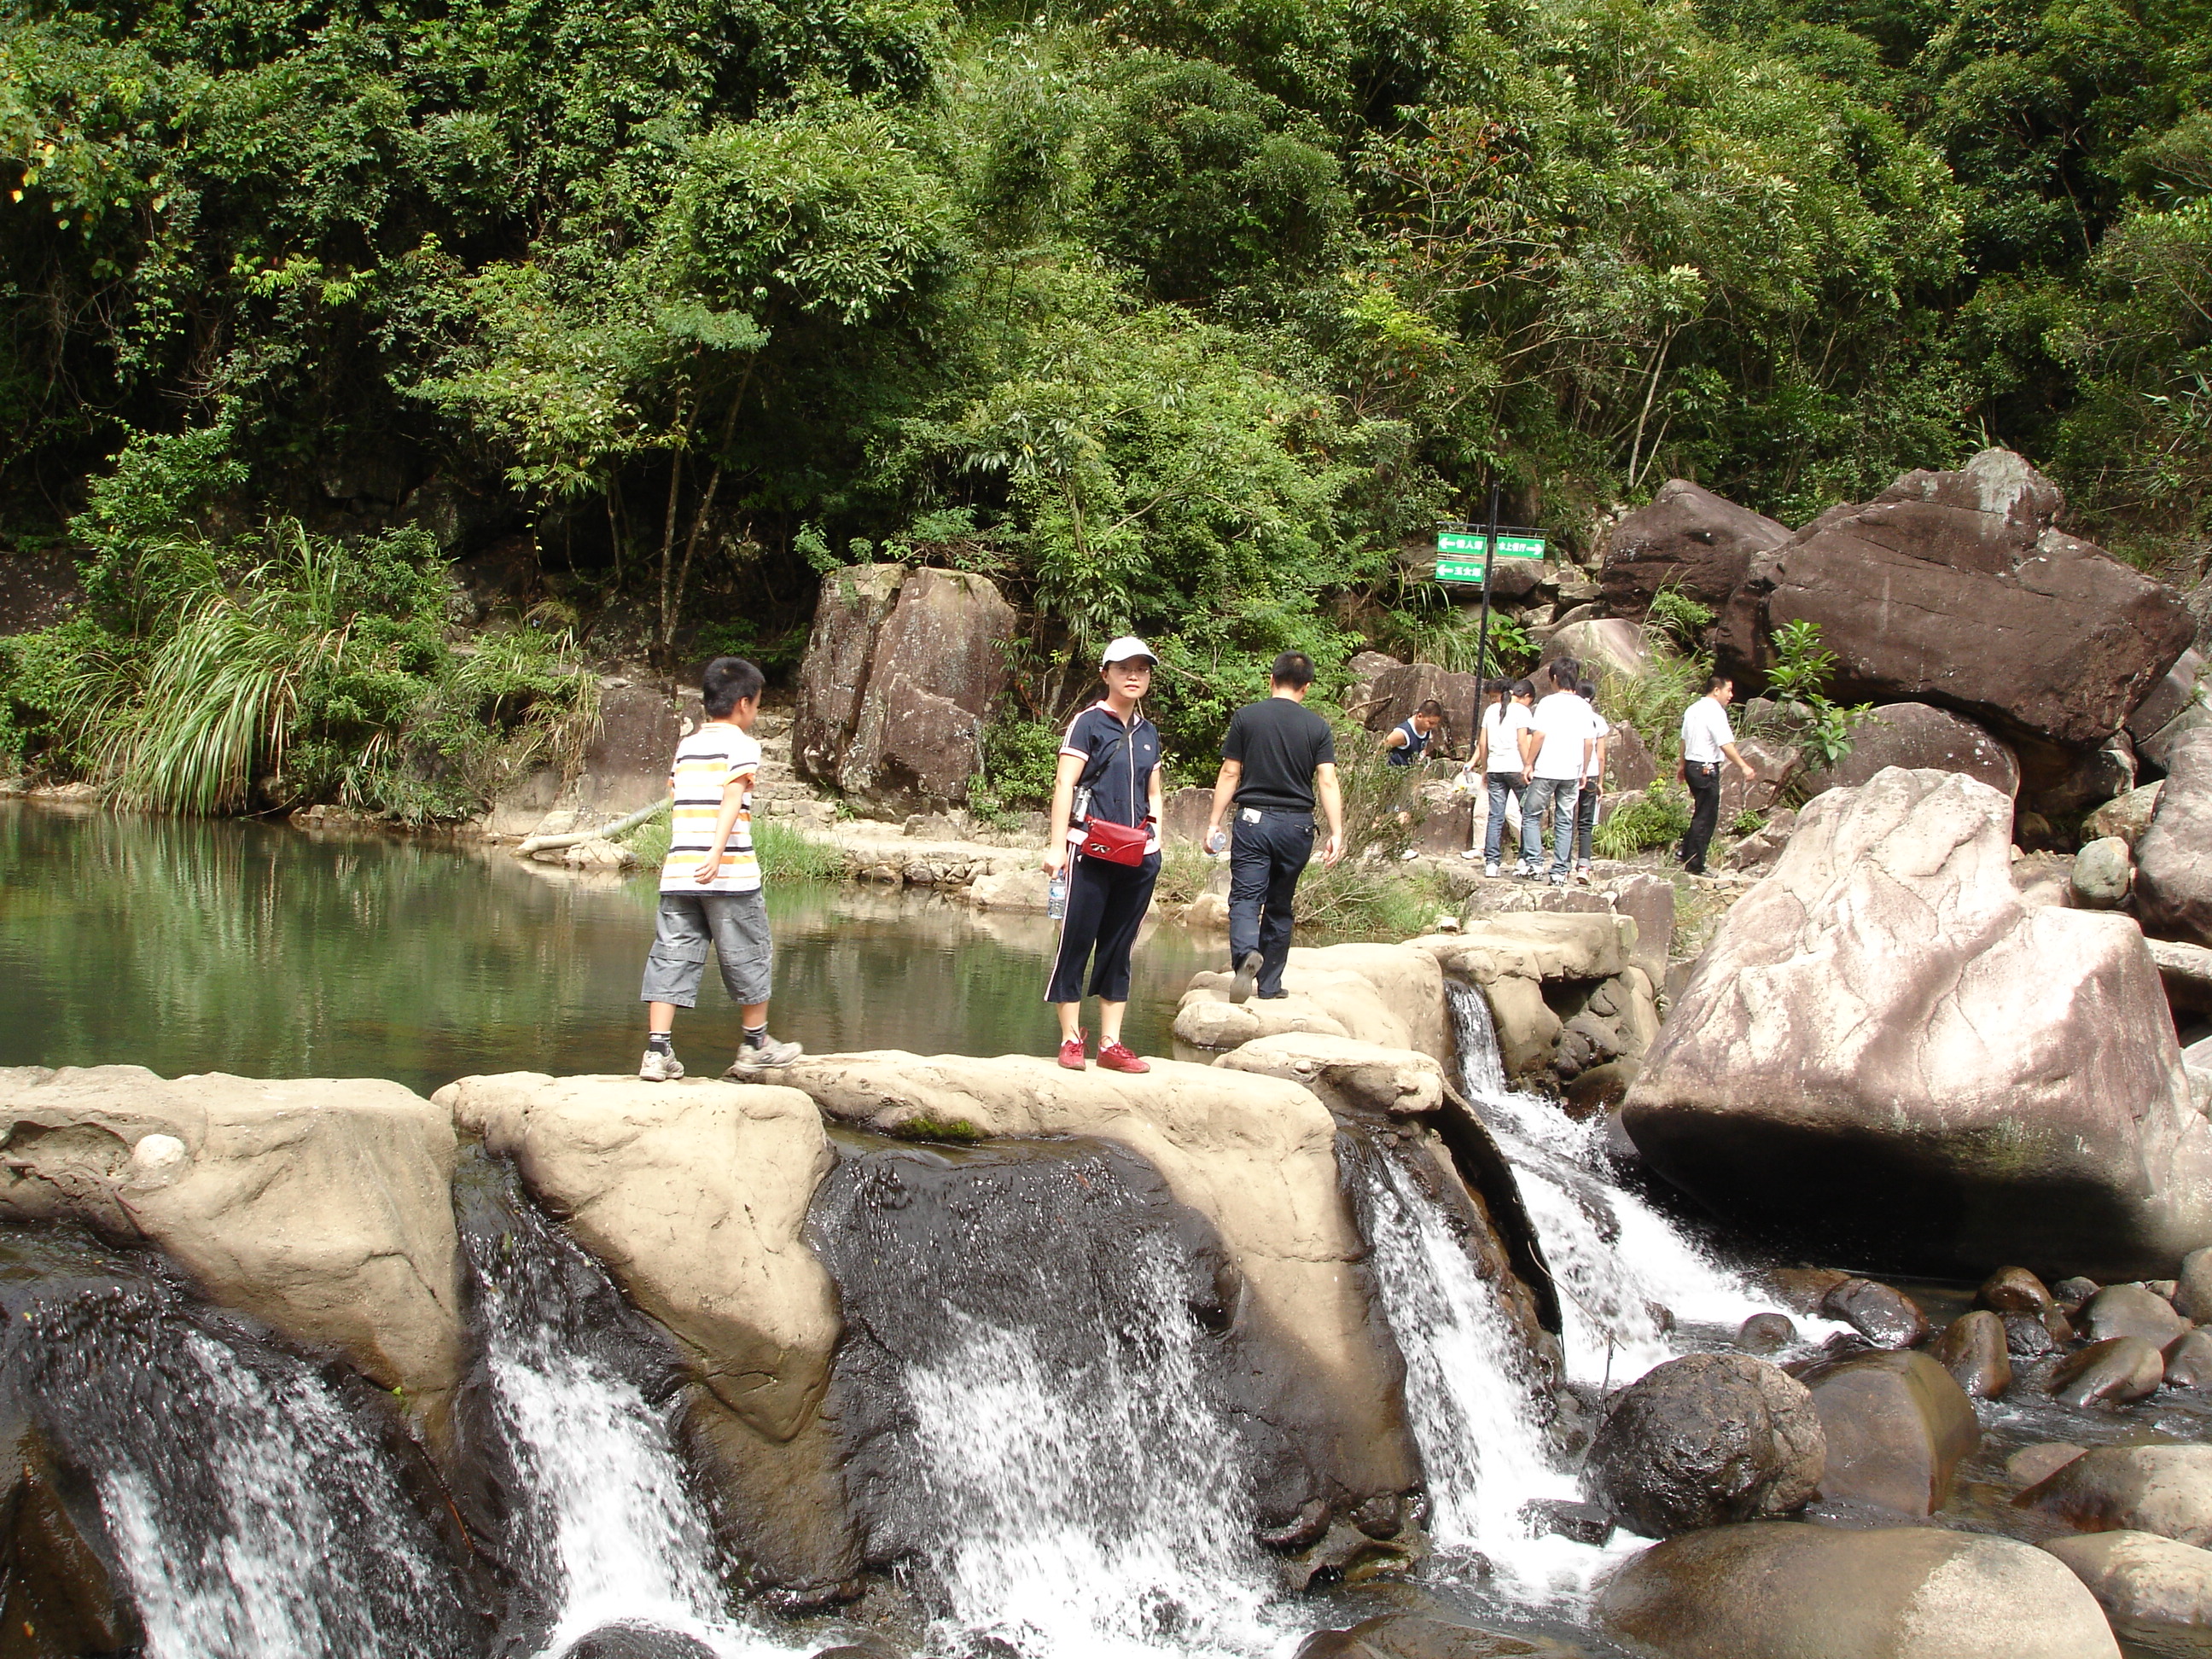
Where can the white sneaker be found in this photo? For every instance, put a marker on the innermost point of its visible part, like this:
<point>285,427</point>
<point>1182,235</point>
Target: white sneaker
<point>1470,855</point>
<point>1490,870</point>
<point>657,1068</point>
<point>764,1057</point>
<point>1409,853</point>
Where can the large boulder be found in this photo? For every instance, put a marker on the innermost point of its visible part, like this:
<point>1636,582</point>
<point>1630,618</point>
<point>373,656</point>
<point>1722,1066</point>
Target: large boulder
<point>1255,1155</point>
<point>1955,588</point>
<point>1898,1426</point>
<point>1388,994</point>
<point>1919,737</point>
<point>903,668</point>
<point>1784,1591</point>
<point>2147,1585</point>
<point>2167,1490</point>
<point>1610,645</point>
<point>321,1207</point>
<point>1884,1046</point>
<point>1687,538</point>
<point>694,1195</point>
<point>2174,856</point>
<point>1705,1440</point>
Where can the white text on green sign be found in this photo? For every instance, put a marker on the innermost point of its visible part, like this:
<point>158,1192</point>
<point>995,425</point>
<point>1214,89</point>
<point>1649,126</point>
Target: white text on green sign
<point>1464,544</point>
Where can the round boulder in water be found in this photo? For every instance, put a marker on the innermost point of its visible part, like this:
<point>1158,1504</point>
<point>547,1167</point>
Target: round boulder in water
<point>629,1640</point>
<point>1707,1439</point>
<point>1765,1333</point>
<point>2013,1290</point>
<point>1898,1426</point>
<point>1883,1315</point>
<point>1781,1590</point>
<point>2112,1372</point>
<point>1974,1350</point>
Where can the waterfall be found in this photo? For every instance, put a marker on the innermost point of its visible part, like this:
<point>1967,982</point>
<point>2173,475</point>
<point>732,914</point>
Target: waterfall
<point>1474,1409</point>
<point>607,1526</point>
<point>256,1516</point>
<point>1035,1408</point>
<point>1626,1272</point>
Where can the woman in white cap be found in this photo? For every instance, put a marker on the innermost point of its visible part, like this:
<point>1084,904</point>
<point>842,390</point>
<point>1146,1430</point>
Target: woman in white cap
<point>1106,835</point>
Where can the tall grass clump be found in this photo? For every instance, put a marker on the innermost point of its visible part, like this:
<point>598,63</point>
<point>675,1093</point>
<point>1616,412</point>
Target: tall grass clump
<point>282,668</point>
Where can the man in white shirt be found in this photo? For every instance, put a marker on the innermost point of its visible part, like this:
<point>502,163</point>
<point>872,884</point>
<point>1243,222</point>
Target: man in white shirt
<point>1556,748</point>
<point>1706,737</point>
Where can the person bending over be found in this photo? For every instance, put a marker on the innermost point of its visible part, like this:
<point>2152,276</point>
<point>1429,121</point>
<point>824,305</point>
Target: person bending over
<point>1409,740</point>
<point>1277,756</point>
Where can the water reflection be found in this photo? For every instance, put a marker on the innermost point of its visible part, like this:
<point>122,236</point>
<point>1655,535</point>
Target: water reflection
<point>185,945</point>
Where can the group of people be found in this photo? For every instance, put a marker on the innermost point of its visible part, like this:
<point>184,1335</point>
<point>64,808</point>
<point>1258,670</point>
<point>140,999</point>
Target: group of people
<point>1278,767</point>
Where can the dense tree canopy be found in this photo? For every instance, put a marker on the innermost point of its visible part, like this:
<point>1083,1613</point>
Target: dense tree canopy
<point>1191,318</point>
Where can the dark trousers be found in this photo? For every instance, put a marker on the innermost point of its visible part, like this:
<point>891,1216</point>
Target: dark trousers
<point>1704,781</point>
<point>1106,904</point>
<point>1585,819</point>
<point>1266,860</point>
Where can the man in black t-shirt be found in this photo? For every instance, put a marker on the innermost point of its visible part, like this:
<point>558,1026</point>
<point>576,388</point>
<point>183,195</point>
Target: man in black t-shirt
<point>1277,756</point>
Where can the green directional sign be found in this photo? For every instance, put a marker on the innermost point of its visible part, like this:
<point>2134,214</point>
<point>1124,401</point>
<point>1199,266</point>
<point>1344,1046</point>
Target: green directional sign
<point>1459,552</point>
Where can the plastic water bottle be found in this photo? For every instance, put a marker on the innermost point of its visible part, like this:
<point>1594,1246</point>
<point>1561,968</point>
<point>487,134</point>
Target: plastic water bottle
<point>1056,896</point>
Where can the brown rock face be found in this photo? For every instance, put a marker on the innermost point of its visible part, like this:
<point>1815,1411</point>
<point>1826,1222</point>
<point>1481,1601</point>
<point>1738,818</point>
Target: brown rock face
<point>2174,857</point>
<point>1953,588</point>
<point>1898,1426</point>
<point>1399,691</point>
<point>1884,1043</point>
<point>1915,736</point>
<point>1689,538</point>
<point>902,669</point>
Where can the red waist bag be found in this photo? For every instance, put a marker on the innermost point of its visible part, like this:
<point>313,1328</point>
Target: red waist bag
<point>1117,843</point>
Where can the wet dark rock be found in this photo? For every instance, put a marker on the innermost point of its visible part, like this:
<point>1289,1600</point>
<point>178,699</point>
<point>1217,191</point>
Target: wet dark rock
<point>2192,1292</point>
<point>2132,1310</point>
<point>629,1640</point>
<point>1305,1528</point>
<point>1408,1635</point>
<point>1704,1440</point>
<point>1884,1316</point>
<point>2032,1465</point>
<point>1346,1556</point>
<point>1974,1350</point>
<point>1586,1523</point>
<point>2112,1372</point>
<point>2071,1293</point>
<point>2013,1289</point>
<point>1802,1289</point>
<point>1898,1426</point>
<point>56,1574</point>
<point>1383,1515</point>
<point>2027,1337</point>
<point>2188,1361</point>
<point>2167,1490</point>
<point>1785,1590</point>
<point>866,1645</point>
<point>1765,1333</point>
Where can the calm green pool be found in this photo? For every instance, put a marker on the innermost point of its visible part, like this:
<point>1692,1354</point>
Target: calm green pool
<point>187,946</point>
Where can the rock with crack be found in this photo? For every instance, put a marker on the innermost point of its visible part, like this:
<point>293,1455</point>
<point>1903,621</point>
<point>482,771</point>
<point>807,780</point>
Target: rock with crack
<point>1347,1076</point>
<point>1388,994</point>
<point>1884,1045</point>
<point>320,1206</point>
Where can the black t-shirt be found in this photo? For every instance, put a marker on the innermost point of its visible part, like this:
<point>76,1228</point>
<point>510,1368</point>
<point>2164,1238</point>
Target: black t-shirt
<point>1122,792</point>
<point>1280,742</point>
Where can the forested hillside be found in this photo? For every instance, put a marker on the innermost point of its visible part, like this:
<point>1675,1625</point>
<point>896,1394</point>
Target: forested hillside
<point>1188,318</point>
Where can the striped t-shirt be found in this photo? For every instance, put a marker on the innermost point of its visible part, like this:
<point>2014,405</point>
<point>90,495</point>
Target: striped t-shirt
<point>706,762</point>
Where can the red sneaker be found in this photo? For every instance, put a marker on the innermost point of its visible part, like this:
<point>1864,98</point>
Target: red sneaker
<point>1070,1051</point>
<point>1117,1057</point>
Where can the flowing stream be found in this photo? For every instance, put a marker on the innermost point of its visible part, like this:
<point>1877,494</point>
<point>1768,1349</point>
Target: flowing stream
<point>256,1514</point>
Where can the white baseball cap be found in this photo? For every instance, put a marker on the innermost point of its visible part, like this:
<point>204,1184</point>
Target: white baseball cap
<point>1124,649</point>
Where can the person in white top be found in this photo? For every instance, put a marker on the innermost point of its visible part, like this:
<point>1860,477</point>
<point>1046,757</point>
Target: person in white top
<point>1557,747</point>
<point>1497,765</point>
<point>1593,783</point>
<point>1706,736</point>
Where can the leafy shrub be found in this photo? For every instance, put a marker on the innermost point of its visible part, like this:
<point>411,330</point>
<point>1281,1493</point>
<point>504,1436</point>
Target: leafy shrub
<point>1679,617</point>
<point>1798,679</point>
<point>1660,819</point>
<point>1020,758</point>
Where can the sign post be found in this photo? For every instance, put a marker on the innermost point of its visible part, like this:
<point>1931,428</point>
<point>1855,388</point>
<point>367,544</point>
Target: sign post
<point>1482,639</point>
<point>1466,554</point>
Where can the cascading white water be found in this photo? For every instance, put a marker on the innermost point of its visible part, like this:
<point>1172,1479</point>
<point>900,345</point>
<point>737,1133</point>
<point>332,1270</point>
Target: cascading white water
<point>1616,1260</point>
<point>616,1529</point>
<point>254,1515</point>
<point>1091,1512</point>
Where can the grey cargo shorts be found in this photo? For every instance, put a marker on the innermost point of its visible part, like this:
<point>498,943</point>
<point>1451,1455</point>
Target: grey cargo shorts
<point>733,926</point>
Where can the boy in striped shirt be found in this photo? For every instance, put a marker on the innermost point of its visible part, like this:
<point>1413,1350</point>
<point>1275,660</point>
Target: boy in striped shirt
<point>710,883</point>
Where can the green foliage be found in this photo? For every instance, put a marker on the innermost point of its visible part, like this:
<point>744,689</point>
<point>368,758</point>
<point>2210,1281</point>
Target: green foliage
<point>1747,823</point>
<point>1020,759</point>
<point>282,668</point>
<point>1450,636</point>
<point>1797,678</point>
<point>1661,818</point>
<point>1682,619</point>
